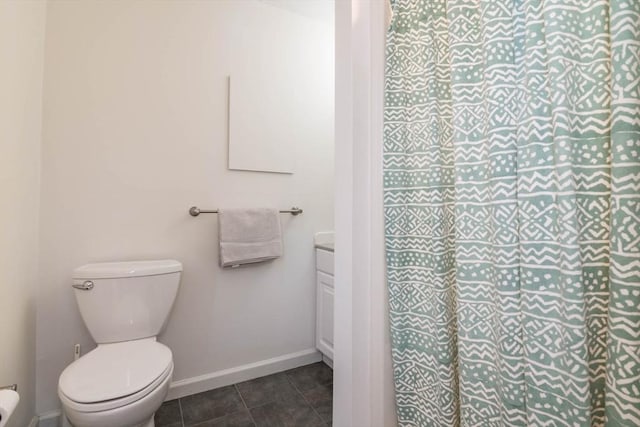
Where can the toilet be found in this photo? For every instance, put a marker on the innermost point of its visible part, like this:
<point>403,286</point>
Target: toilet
<point>125,379</point>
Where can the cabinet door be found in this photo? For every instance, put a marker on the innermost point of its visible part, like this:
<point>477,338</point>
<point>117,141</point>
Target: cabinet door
<point>324,315</point>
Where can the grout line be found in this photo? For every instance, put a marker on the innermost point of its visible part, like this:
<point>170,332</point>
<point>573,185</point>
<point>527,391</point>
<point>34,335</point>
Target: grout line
<point>181,416</point>
<point>245,404</point>
<point>305,399</point>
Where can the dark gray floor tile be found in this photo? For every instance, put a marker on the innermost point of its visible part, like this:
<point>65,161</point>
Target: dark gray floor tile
<point>168,415</point>
<point>321,399</point>
<point>325,410</point>
<point>267,389</point>
<point>237,419</point>
<point>310,376</point>
<point>296,413</point>
<point>319,394</point>
<point>210,405</point>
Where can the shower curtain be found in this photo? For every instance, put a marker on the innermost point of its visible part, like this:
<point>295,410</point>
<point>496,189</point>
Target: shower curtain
<point>512,211</point>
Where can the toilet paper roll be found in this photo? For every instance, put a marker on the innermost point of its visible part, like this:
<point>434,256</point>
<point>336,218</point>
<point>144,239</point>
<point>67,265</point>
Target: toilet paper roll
<point>8,401</point>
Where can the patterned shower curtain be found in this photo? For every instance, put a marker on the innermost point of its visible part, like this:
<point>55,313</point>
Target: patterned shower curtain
<point>512,209</point>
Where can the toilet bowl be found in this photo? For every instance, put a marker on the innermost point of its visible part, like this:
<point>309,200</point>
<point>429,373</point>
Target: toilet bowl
<point>125,379</point>
<point>120,384</point>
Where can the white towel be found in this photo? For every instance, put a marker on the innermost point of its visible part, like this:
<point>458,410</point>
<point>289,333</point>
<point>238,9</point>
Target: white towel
<point>248,236</point>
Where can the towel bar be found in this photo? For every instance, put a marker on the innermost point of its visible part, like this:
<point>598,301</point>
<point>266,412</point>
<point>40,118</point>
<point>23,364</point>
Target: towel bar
<point>195,211</point>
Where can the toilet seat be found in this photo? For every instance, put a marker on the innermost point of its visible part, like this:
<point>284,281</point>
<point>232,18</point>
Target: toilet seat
<point>115,375</point>
<point>115,403</point>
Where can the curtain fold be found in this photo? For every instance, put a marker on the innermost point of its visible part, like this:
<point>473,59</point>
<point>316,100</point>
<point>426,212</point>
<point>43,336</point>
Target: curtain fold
<point>512,211</point>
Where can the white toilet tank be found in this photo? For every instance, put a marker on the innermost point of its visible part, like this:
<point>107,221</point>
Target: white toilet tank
<point>124,301</point>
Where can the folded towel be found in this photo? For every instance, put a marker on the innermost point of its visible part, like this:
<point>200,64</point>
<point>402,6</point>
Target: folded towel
<point>248,236</point>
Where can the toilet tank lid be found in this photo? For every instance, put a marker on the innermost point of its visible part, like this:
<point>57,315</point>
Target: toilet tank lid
<point>114,270</point>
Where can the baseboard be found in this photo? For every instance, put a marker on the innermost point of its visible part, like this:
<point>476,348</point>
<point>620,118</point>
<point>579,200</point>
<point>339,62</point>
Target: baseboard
<point>247,372</point>
<point>34,422</point>
<point>216,379</point>
<point>328,361</point>
<point>49,419</point>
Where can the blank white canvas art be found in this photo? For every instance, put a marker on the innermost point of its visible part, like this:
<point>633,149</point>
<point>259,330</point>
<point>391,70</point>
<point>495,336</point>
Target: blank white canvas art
<point>262,136</point>
<point>279,90</point>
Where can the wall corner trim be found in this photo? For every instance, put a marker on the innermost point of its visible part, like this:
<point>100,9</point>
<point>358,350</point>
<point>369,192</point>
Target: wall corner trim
<point>35,421</point>
<point>48,419</point>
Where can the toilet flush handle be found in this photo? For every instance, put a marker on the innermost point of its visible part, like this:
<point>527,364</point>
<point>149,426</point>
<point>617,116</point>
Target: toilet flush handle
<point>87,285</point>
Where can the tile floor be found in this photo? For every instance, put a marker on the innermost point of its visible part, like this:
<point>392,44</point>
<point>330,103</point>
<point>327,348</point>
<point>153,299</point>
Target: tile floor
<point>301,397</point>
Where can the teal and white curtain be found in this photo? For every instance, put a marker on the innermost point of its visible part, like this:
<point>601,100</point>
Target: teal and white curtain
<point>512,209</point>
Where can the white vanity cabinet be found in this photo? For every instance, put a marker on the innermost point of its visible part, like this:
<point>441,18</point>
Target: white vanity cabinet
<point>324,302</point>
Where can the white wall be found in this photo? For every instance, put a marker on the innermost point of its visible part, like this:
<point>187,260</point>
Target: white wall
<point>22,27</point>
<point>134,132</point>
